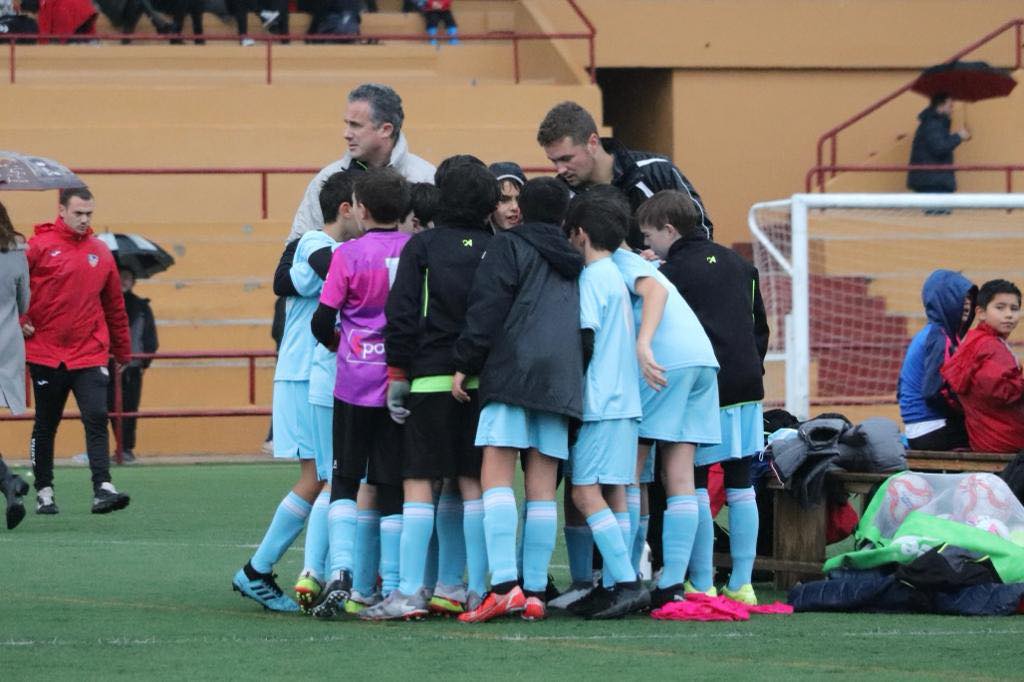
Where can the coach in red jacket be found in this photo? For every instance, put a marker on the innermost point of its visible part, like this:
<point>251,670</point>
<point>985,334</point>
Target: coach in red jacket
<point>75,321</point>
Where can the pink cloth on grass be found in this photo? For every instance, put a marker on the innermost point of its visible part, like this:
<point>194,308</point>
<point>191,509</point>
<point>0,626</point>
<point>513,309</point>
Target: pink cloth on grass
<point>700,607</point>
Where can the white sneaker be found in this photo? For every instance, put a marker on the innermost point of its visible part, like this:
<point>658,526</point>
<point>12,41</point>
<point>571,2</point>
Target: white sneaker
<point>247,42</point>
<point>269,17</point>
<point>268,447</point>
<point>80,458</point>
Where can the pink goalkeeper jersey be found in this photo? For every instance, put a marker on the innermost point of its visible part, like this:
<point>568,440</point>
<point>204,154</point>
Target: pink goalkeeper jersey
<point>357,284</point>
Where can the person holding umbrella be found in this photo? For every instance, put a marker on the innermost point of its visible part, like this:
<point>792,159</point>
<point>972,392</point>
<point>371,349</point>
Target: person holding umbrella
<point>934,144</point>
<point>76,319</point>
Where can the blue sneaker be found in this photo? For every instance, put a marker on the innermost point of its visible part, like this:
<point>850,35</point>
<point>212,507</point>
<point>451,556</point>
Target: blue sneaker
<point>263,589</point>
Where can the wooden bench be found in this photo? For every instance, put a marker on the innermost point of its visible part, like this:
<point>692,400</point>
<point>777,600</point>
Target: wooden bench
<point>799,534</point>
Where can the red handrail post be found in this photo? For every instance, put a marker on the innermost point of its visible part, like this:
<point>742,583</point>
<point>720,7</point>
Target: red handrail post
<point>1009,180</point>
<point>1017,45</point>
<point>118,409</point>
<point>10,59</point>
<point>263,194</point>
<point>269,60</point>
<point>515,59</point>
<point>835,151</point>
<point>252,380</point>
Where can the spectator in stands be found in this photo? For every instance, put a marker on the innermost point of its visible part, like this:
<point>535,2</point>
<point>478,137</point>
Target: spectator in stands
<point>142,332</point>
<point>987,376</point>
<point>15,20</point>
<point>511,180</point>
<point>931,413</point>
<point>436,12</point>
<point>934,144</point>
<point>373,132</point>
<point>75,322</point>
<point>336,17</point>
<point>583,159</point>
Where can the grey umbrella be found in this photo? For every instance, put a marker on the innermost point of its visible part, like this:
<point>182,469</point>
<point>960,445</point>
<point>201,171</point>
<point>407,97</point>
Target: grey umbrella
<point>136,253</point>
<point>25,172</point>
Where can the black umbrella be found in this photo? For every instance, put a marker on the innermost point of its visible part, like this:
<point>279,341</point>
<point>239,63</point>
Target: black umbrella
<point>138,254</point>
<point>21,171</point>
<point>965,81</point>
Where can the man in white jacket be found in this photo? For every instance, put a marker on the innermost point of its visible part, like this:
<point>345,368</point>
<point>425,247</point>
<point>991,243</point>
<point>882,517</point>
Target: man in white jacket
<point>373,133</point>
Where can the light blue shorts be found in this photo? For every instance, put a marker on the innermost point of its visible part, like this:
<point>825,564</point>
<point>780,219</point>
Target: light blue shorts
<point>292,424</point>
<point>685,410</point>
<point>322,419</point>
<point>742,435</point>
<point>647,473</point>
<point>511,426</point>
<point>604,452</point>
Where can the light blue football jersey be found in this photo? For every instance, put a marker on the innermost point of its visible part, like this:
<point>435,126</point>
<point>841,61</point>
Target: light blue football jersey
<point>295,357</point>
<point>611,388</point>
<point>680,340</point>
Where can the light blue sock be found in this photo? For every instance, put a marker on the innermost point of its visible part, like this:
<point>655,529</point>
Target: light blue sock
<point>539,533</point>
<point>417,528</point>
<point>476,545</point>
<point>608,538</point>
<point>677,538</point>
<point>520,530</point>
<point>316,536</point>
<point>743,524</point>
<point>390,552</point>
<point>430,572</point>
<point>284,528</point>
<point>452,32</point>
<point>633,507</point>
<point>579,545</point>
<point>639,542</point>
<point>500,532</point>
<point>701,570</point>
<point>367,560</point>
<point>341,529</point>
<point>451,541</point>
<point>622,518</point>
<point>432,32</point>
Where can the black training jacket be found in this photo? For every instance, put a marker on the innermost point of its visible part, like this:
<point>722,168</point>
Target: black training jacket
<point>724,292</point>
<point>522,334</point>
<point>933,144</point>
<point>426,308</point>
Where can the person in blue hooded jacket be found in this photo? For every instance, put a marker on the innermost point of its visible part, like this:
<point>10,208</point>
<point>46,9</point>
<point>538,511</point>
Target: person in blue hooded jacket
<point>927,405</point>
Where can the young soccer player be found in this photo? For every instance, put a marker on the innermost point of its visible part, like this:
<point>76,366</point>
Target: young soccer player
<point>511,180</point>
<point>522,339</point>
<point>423,202</point>
<point>425,313</point>
<point>722,290</point>
<point>299,277</point>
<point>307,272</point>
<point>603,458</point>
<point>986,375</point>
<point>366,441</point>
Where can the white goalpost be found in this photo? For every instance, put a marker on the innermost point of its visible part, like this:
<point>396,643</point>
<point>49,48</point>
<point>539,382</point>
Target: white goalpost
<point>841,276</point>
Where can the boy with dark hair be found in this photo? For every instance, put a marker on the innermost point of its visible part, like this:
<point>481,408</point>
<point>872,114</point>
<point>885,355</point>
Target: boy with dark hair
<point>425,313</point>
<point>299,278</point>
<point>603,457</point>
<point>722,289</point>
<point>423,204</point>
<point>366,440</point>
<point>987,376</point>
<point>522,339</point>
<point>511,180</point>
<point>931,414</point>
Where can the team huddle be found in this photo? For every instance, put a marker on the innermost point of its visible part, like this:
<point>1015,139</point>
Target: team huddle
<point>435,338</point>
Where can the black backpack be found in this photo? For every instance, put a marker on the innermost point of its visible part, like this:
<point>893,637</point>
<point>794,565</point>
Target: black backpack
<point>341,17</point>
<point>18,24</point>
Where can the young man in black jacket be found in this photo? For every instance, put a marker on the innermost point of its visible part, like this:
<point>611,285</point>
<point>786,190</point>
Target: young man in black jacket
<point>722,289</point>
<point>426,312</point>
<point>522,338</point>
<point>583,159</point>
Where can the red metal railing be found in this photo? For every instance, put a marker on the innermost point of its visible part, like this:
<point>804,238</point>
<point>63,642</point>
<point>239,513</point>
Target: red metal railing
<point>117,414</point>
<point>831,137</point>
<point>262,171</point>
<point>1007,169</point>
<point>269,41</point>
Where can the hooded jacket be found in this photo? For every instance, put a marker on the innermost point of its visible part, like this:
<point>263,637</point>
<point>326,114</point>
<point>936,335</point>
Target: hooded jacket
<point>77,307</point>
<point>986,376</point>
<point>920,390</point>
<point>522,333</point>
<point>426,306</point>
<point>724,292</point>
<point>640,175</point>
<point>310,217</point>
<point>933,144</point>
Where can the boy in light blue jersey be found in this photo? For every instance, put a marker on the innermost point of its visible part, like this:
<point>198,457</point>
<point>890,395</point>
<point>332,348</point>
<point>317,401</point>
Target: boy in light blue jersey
<point>602,459</point>
<point>299,277</point>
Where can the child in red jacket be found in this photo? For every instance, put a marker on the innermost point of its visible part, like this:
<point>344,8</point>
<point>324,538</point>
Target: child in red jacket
<point>986,375</point>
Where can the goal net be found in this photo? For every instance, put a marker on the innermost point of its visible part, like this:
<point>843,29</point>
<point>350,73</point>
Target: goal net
<point>841,277</point>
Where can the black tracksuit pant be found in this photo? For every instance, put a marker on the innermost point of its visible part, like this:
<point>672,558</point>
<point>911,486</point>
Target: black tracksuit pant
<point>51,387</point>
<point>131,395</point>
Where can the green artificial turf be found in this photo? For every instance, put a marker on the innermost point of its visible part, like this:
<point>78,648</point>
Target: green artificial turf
<point>146,593</point>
